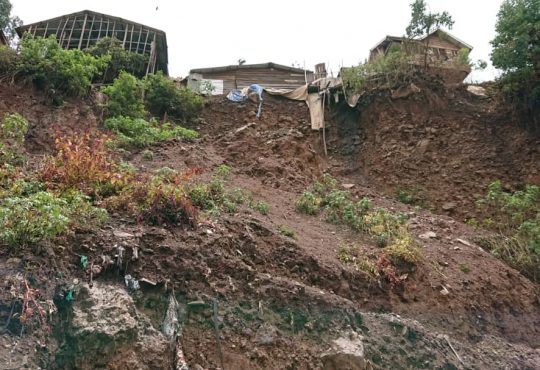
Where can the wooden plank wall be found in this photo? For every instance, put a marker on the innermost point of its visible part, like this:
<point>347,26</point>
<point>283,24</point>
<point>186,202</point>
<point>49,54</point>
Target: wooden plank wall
<point>266,77</point>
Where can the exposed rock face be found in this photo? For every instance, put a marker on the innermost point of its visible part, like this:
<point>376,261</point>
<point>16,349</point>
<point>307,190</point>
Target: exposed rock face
<point>107,331</point>
<point>347,352</point>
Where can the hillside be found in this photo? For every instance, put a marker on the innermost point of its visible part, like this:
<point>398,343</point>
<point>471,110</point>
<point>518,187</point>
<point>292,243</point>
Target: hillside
<point>276,288</point>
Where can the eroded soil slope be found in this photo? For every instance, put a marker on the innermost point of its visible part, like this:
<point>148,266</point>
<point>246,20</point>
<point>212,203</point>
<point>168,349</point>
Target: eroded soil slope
<point>273,301</point>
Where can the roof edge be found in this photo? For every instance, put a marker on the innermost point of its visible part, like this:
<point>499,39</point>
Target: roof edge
<point>249,66</point>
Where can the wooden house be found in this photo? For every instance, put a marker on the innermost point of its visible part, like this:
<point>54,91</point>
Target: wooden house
<point>83,29</point>
<point>443,53</point>
<point>268,75</point>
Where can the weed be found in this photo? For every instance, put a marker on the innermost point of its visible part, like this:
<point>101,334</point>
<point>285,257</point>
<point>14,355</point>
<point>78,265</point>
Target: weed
<point>262,207</point>
<point>465,268</point>
<point>308,203</point>
<point>28,219</point>
<point>284,230</point>
<point>84,162</point>
<point>137,132</point>
<point>404,196</point>
<point>223,171</point>
<point>148,155</point>
<point>516,218</point>
<point>12,131</point>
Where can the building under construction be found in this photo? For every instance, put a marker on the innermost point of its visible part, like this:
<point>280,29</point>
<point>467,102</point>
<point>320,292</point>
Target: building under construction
<point>83,29</point>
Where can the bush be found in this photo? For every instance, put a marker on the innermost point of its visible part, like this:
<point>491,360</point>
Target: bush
<point>125,97</point>
<point>43,215</point>
<point>137,132</point>
<point>308,203</point>
<point>164,97</point>
<point>516,218</point>
<point>55,70</point>
<point>262,207</point>
<point>84,162</point>
<point>12,132</point>
<point>8,60</point>
<point>120,59</point>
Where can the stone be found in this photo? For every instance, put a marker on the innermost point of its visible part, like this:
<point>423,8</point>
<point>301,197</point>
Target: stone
<point>347,186</point>
<point>122,234</point>
<point>477,90</point>
<point>107,331</point>
<point>464,242</point>
<point>449,206</point>
<point>428,235</point>
<point>346,352</point>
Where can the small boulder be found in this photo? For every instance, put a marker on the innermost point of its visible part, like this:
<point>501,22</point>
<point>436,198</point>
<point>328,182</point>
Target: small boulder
<point>346,352</point>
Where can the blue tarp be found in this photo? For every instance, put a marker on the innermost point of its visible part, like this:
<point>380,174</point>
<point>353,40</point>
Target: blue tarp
<point>236,96</point>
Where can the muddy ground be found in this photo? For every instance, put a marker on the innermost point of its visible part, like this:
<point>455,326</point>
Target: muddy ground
<point>253,298</point>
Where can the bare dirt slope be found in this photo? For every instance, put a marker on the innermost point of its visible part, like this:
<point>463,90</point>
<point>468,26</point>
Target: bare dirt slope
<point>282,301</point>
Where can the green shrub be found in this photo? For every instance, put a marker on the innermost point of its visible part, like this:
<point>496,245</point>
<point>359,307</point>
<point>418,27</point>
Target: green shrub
<point>42,215</point>
<point>262,207</point>
<point>55,70</point>
<point>137,132</point>
<point>148,155</point>
<point>8,60</point>
<point>308,203</point>
<point>164,97</point>
<point>125,97</point>
<point>284,230</point>
<point>120,59</point>
<point>223,171</point>
<point>516,218</point>
<point>12,132</point>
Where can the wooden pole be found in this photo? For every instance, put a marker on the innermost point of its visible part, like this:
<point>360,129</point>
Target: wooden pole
<point>46,29</point>
<point>90,31</point>
<point>139,40</point>
<point>125,36</point>
<point>146,41</point>
<point>324,125</point>
<point>131,36</point>
<point>71,33</point>
<point>82,32</point>
<point>100,27</point>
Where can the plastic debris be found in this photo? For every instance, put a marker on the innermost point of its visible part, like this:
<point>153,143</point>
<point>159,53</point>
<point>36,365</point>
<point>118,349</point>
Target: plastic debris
<point>84,261</point>
<point>69,295</point>
<point>131,282</point>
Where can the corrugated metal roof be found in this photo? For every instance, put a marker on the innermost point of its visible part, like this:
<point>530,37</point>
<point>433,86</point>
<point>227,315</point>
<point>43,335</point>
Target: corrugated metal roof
<point>249,66</point>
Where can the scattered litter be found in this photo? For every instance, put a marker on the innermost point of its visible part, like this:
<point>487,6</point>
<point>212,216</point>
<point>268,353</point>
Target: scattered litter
<point>147,281</point>
<point>131,282</point>
<point>69,295</point>
<point>464,242</point>
<point>444,291</point>
<point>84,261</point>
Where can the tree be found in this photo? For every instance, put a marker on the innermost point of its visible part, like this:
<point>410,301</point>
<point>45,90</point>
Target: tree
<point>516,47</point>
<point>7,22</point>
<point>424,22</point>
<point>516,50</point>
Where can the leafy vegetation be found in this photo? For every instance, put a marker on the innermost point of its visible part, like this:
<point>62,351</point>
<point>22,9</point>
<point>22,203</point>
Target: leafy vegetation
<point>137,132</point>
<point>125,97</point>
<point>8,22</point>
<point>389,231</point>
<point>516,51</point>
<point>516,218</point>
<point>84,162</point>
<point>12,131</point>
<point>120,59</point>
<point>285,231</point>
<point>8,60</point>
<point>44,215</point>
<point>57,71</point>
<point>163,97</point>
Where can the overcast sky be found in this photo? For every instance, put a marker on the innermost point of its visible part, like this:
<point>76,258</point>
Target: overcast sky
<point>207,33</point>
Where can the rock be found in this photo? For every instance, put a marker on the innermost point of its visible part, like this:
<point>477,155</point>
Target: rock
<point>122,234</point>
<point>285,119</point>
<point>477,90</point>
<point>428,235</point>
<point>347,186</point>
<point>449,206</point>
<point>346,352</point>
<point>107,331</point>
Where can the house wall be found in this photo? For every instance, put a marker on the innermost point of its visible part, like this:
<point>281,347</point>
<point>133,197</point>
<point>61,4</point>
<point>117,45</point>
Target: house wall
<point>266,77</point>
